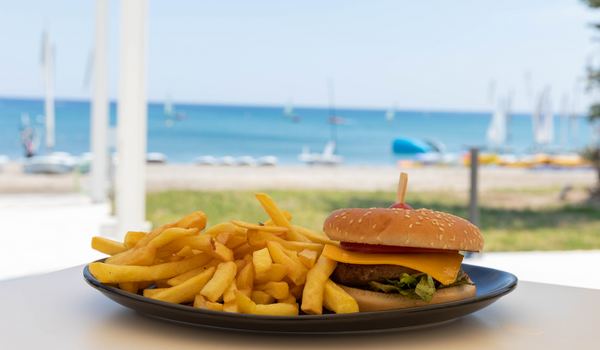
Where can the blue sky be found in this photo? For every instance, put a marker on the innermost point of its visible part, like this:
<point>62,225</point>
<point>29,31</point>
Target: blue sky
<point>422,55</point>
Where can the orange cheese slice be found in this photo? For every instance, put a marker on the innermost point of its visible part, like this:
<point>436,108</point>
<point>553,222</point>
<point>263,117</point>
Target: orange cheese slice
<point>443,267</point>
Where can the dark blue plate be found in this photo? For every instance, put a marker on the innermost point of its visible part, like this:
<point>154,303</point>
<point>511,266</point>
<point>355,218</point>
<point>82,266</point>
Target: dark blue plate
<point>491,285</point>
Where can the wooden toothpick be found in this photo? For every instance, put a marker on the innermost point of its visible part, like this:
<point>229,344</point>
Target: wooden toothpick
<point>401,188</point>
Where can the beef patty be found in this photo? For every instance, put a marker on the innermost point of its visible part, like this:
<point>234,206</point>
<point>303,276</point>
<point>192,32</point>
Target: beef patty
<point>359,276</point>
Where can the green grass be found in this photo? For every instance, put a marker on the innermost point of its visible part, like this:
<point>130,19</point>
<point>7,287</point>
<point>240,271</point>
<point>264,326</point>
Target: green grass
<point>560,227</point>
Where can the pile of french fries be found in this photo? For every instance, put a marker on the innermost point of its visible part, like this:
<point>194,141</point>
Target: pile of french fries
<point>271,268</point>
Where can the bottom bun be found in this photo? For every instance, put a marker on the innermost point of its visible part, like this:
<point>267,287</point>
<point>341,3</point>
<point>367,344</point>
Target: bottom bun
<point>375,301</point>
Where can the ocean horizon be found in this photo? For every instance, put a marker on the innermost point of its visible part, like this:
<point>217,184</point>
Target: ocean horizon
<point>364,136</point>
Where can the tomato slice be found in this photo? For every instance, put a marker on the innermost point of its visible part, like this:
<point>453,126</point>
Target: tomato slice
<point>375,248</point>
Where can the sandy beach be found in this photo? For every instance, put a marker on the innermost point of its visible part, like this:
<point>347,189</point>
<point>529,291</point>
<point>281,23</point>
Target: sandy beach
<point>187,177</point>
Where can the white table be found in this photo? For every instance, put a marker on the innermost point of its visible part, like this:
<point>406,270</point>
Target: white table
<point>60,311</point>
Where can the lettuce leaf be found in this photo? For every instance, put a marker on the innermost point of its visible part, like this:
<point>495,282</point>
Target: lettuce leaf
<point>419,286</point>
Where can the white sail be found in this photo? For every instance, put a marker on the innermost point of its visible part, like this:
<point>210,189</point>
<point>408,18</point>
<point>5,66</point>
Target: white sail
<point>496,132</point>
<point>48,80</point>
<point>169,105</point>
<point>543,120</point>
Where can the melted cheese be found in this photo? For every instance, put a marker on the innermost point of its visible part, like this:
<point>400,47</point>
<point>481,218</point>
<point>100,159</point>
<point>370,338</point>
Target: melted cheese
<point>441,266</point>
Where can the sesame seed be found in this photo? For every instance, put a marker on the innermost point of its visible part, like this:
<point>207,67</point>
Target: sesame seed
<point>396,212</point>
<point>351,221</point>
<point>464,231</point>
<point>441,224</point>
<point>453,239</point>
<point>417,223</point>
<point>407,241</point>
<point>410,226</point>
<point>445,246</point>
<point>408,216</point>
<point>427,217</point>
<point>336,216</point>
<point>359,220</point>
<point>329,225</point>
<point>432,243</point>
<point>441,229</point>
<point>374,226</point>
<point>343,217</point>
<point>441,236</point>
<point>420,217</point>
<point>337,229</point>
<point>449,225</point>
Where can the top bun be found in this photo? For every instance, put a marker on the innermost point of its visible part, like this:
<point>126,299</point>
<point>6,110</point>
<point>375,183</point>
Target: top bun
<point>421,228</point>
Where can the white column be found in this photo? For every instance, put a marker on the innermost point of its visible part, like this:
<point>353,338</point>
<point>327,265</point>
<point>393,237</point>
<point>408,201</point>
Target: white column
<point>100,106</point>
<point>131,119</point>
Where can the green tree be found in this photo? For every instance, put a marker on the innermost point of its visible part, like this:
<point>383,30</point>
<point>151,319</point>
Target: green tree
<point>593,152</point>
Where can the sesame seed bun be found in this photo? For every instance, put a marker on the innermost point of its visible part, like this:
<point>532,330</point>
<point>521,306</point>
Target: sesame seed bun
<point>375,301</point>
<point>422,228</point>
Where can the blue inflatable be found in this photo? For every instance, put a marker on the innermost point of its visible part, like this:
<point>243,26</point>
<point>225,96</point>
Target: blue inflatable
<point>410,146</point>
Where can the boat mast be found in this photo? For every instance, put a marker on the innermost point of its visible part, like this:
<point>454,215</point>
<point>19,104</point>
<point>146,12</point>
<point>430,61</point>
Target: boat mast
<point>332,114</point>
<point>48,79</point>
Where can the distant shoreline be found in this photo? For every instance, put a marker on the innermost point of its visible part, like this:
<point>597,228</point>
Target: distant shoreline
<point>376,178</point>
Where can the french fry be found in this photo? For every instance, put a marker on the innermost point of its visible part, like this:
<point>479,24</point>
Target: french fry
<point>263,227</point>
<point>229,294</point>
<point>107,246</point>
<point>245,278</point>
<point>308,258</point>
<point>185,251</point>
<point>201,303</point>
<point>278,290</point>
<point>236,241</point>
<point>296,271</point>
<point>131,287</point>
<point>149,293</point>
<point>170,235</point>
<point>224,227</point>
<point>278,218</point>
<point>224,275</point>
<point>202,242</point>
<point>245,304</point>
<point>186,291</point>
<point>116,257</point>
<point>132,237</point>
<point>315,236</point>
<point>262,298</point>
<point>177,280</point>
<point>221,252</point>
<point>195,220</point>
<point>291,299</point>
<point>231,306</point>
<point>108,273</point>
<point>337,300</point>
<point>279,309</point>
<point>260,239</point>
<point>261,259</point>
<point>140,257</point>
<point>312,296</point>
<point>275,274</point>
<point>285,213</point>
<point>296,291</point>
<point>224,237</point>
<point>245,249</point>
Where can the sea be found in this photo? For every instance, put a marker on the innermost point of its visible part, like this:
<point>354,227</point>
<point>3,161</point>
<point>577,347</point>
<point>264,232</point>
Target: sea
<point>364,137</point>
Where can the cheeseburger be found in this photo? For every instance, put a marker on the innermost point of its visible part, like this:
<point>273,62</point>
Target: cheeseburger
<point>397,258</point>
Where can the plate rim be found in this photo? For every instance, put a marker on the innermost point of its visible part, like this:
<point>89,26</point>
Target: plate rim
<point>496,293</point>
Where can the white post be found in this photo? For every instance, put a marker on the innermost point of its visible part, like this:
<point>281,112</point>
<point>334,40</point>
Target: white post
<point>49,84</point>
<point>131,119</point>
<point>100,106</point>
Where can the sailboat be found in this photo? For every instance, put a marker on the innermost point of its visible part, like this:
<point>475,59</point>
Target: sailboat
<point>288,113</point>
<point>52,162</point>
<point>496,132</point>
<point>391,113</point>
